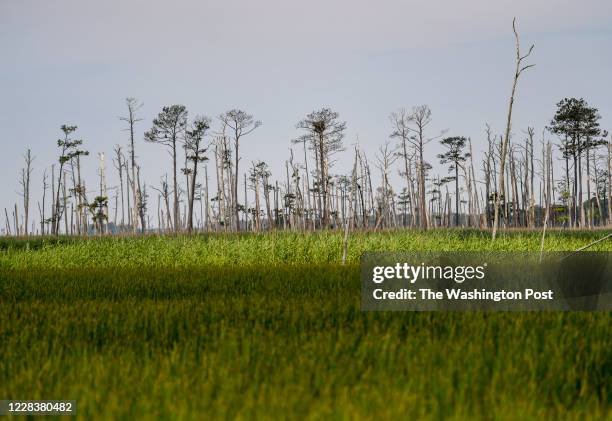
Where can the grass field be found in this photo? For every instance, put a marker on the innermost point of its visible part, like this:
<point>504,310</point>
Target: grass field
<point>269,326</point>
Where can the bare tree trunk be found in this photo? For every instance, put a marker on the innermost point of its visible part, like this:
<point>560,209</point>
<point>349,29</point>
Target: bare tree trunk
<point>532,177</point>
<point>601,220</point>
<point>177,216</point>
<point>488,171</point>
<point>42,212</point>
<point>288,192</point>
<point>26,173</point>
<point>610,180</point>
<point>580,200</point>
<point>129,211</point>
<point>257,209</point>
<point>569,194</point>
<point>246,206</point>
<point>65,206</point>
<point>53,206</point>
<point>506,139</point>
<point>219,159</point>
<point>138,211</point>
<point>421,172</point>
<point>207,206</point>
<point>120,165</point>
<point>42,219</point>
<point>515,207</point>
<point>159,215</point>
<point>473,186</point>
<point>82,202</point>
<point>16,220</point>
<point>347,222</point>
<point>7,222</point>
<point>266,183</point>
<point>589,216</point>
<point>547,168</point>
<point>75,191</point>
<point>142,194</point>
<point>456,195</point>
<point>57,214</point>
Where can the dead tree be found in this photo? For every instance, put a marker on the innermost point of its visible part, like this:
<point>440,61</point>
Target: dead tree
<point>143,198</point>
<point>257,174</point>
<point>120,165</point>
<point>610,180</point>
<point>240,124</point>
<point>347,222</point>
<point>488,167</point>
<point>472,187</point>
<point>411,128</point>
<point>303,140</point>
<point>265,174</point>
<point>546,171</point>
<point>133,106</point>
<point>103,188</point>
<point>520,68</point>
<point>42,207</point>
<point>530,176</point>
<point>400,122</point>
<point>386,157</point>
<point>206,198</point>
<point>26,173</point>
<point>165,194</point>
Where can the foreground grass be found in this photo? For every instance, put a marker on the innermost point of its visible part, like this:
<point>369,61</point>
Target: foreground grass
<point>119,326</point>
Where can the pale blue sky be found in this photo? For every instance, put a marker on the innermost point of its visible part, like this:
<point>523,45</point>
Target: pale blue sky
<point>75,62</point>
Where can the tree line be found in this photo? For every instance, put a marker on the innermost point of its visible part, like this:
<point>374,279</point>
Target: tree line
<point>212,189</point>
<point>209,189</point>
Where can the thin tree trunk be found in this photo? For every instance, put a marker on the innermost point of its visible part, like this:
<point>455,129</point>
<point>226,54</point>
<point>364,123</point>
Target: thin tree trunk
<point>610,180</point>
<point>347,223</point>
<point>506,138</point>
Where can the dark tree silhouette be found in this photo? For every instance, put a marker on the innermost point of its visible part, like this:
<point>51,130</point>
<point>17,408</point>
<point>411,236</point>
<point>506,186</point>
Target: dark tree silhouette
<point>454,156</point>
<point>577,125</point>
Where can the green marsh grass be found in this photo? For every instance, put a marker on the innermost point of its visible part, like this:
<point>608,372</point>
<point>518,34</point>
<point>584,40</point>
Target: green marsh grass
<point>269,326</point>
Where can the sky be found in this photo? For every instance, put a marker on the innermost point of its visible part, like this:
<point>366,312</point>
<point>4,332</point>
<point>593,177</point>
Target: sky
<point>75,61</point>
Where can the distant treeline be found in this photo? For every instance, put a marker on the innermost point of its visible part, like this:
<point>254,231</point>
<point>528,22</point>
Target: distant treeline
<point>210,188</point>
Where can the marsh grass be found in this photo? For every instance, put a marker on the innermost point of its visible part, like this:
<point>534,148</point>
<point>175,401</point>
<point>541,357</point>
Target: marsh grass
<point>264,248</point>
<point>269,326</point>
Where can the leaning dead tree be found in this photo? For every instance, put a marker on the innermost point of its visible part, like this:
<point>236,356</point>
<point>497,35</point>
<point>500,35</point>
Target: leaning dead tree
<point>520,68</point>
